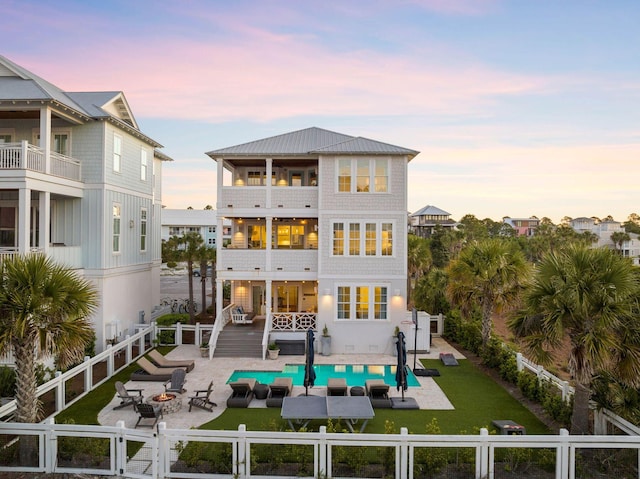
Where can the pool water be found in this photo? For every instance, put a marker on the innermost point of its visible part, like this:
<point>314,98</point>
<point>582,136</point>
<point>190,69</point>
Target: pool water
<point>354,374</point>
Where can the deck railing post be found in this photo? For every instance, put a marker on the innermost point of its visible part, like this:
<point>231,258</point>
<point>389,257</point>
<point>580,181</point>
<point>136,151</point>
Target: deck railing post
<point>403,461</point>
<point>242,461</point>
<point>482,456</point>
<point>322,468</point>
<point>49,445</point>
<point>88,375</point>
<point>562,456</point>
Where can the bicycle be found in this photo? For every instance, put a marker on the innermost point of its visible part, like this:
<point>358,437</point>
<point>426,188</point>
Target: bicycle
<point>175,306</point>
<point>187,306</point>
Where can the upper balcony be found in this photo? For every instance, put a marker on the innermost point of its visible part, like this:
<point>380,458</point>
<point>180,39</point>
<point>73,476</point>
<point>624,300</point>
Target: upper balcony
<point>24,156</point>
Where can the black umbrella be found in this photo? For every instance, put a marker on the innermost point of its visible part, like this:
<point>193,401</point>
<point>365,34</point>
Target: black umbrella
<point>309,372</point>
<point>401,368</point>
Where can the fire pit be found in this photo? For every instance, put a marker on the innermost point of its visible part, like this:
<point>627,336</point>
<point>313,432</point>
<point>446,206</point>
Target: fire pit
<point>169,402</point>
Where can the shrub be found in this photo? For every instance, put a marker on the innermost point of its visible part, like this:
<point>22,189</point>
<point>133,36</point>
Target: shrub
<point>7,381</point>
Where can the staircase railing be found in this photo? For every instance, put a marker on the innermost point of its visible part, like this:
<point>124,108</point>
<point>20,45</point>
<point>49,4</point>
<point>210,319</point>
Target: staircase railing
<point>219,324</point>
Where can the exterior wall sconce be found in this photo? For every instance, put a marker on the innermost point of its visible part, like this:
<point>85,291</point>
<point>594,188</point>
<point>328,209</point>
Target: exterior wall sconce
<point>327,292</point>
<point>131,224</point>
<point>396,292</point>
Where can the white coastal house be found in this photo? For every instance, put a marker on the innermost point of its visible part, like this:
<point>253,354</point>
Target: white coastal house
<point>81,183</point>
<point>319,235</point>
<point>176,222</point>
<point>603,230</point>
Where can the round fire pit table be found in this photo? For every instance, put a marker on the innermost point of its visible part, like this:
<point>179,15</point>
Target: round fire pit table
<point>170,402</point>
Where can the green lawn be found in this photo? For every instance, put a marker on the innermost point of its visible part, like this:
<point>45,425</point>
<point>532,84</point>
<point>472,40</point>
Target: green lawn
<point>477,400</point>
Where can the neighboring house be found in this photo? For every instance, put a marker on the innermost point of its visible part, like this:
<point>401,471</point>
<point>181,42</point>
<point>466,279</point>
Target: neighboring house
<point>603,230</point>
<point>523,226</point>
<point>180,222</point>
<point>424,221</point>
<point>319,234</point>
<point>81,183</point>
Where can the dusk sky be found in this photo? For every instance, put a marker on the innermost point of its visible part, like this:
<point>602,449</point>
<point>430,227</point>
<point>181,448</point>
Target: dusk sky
<point>518,107</point>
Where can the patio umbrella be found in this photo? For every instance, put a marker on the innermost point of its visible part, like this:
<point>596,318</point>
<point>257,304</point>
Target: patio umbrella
<point>401,368</point>
<point>309,372</point>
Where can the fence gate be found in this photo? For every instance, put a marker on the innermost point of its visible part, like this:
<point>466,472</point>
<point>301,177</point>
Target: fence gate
<point>138,455</point>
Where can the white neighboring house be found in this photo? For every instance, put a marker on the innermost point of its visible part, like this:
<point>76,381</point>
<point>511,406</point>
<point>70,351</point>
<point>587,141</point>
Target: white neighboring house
<point>319,235</point>
<point>181,222</point>
<point>81,183</point>
<point>603,230</point>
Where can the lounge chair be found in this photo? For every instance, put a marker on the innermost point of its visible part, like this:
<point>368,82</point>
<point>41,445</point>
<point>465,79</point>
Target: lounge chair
<point>176,383</point>
<point>336,387</point>
<point>151,372</point>
<point>201,399</point>
<point>378,393</point>
<point>126,398</point>
<point>162,362</point>
<point>242,392</point>
<point>278,390</point>
<point>148,411</point>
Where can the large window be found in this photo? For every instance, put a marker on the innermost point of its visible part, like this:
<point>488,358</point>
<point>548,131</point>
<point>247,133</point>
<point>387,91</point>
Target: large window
<point>116,227</point>
<point>363,175</point>
<point>117,153</point>
<point>377,239</point>
<point>143,229</point>
<point>289,236</point>
<point>362,302</point>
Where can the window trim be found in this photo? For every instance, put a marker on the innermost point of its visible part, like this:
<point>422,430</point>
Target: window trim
<point>144,225</point>
<point>143,164</point>
<point>345,240</point>
<point>116,219</point>
<point>352,304</point>
<point>117,155</point>
<point>352,179</point>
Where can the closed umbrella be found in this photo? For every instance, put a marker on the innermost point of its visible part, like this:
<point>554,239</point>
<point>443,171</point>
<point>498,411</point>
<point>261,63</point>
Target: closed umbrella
<point>309,372</point>
<point>401,368</point>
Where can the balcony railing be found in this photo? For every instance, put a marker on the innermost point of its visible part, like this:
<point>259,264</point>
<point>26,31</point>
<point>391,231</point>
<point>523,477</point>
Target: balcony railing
<point>293,321</point>
<point>23,156</point>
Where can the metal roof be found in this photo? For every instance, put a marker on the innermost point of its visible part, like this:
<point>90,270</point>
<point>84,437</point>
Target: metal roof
<point>311,141</point>
<point>431,210</point>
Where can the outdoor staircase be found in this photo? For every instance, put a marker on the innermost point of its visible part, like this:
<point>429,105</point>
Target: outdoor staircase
<point>240,341</point>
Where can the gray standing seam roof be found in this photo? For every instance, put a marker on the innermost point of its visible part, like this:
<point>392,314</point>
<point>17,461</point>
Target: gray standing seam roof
<point>311,141</point>
<point>430,210</point>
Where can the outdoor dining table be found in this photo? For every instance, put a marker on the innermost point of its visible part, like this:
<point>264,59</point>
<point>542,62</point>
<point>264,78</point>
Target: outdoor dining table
<point>303,409</point>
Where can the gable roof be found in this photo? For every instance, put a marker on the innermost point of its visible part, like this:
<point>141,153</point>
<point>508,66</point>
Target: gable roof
<point>312,141</point>
<point>431,210</point>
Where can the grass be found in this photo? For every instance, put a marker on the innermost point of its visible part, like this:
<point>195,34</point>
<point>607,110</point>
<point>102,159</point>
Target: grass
<point>477,399</point>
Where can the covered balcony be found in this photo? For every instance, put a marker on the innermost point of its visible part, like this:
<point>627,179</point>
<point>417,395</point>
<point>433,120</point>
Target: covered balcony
<point>24,156</point>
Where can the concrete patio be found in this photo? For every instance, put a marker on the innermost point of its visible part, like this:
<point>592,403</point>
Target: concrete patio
<point>428,395</point>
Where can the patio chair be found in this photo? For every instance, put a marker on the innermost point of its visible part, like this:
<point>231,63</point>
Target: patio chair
<point>151,372</point>
<point>278,390</point>
<point>201,399</point>
<point>242,392</point>
<point>336,387</point>
<point>163,362</point>
<point>148,411</point>
<point>378,393</point>
<point>176,383</point>
<point>126,396</point>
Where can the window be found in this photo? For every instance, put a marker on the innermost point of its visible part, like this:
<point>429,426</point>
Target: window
<point>116,227</point>
<point>117,153</point>
<point>370,175</point>
<point>344,176</point>
<point>354,239</point>
<point>211,241</point>
<point>290,236</point>
<point>212,229</point>
<point>5,138</point>
<point>362,302</point>
<point>143,229</point>
<point>61,143</point>
<point>296,178</point>
<point>143,165</point>
<point>255,178</point>
<point>338,239</point>
<point>377,239</point>
<point>257,236</point>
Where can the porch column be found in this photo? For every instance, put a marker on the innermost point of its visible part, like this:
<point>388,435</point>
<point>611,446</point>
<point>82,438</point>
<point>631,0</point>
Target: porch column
<point>45,136</point>
<point>267,265</point>
<point>219,182</point>
<point>44,205</point>
<point>219,299</point>
<point>268,180</point>
<point>269,295</point>
<point>24,220</point>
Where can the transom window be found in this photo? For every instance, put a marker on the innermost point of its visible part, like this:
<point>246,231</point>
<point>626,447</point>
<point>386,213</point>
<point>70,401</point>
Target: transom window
<point>377,239</point>
<point>363,175</point>
<point>362,302</point>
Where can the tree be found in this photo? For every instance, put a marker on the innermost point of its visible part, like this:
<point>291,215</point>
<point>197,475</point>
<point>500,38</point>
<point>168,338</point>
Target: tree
<point>618,238</point>
<point>44,311</point>
<point>429,293</point>
<point>208,207</point>
<point>418,263</point>
<point>585,296</point>
<point>490,274</point>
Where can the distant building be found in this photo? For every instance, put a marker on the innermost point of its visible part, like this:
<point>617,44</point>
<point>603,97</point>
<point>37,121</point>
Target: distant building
<point>523,226</point>
<point>603,230</point>
<point>424,221</point>
<point>180,222</point>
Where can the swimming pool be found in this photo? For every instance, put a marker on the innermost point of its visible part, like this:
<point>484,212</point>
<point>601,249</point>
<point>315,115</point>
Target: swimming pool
<point>354,374</point>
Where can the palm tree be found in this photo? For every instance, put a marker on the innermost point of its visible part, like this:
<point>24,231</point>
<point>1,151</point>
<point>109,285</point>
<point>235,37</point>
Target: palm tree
<point>44,311</point>
<point>490,274</point>
<point>618,238</point>
<point>418,262</point>
<point>586,296</point>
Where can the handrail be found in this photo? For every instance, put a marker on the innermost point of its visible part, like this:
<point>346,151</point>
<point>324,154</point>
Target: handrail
<point>218,325</point>
<point>265,335</point>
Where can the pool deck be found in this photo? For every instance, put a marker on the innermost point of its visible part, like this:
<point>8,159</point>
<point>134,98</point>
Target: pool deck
<point>428,395</point>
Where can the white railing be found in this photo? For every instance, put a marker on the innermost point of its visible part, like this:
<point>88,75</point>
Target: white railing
<point>179,453</point>
<point>293,321</point>
<point>265,336</point>
<point>523,363</point>
<point>217,327</point>
<point>24,156</point>
<point>176,331</point>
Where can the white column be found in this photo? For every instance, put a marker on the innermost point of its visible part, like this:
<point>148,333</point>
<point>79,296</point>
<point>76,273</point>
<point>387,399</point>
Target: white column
<point>268,180</point>
<point>24,220</point>
<point>45,220</point>
<point>267,265</point>
<point>269,295</point>
<point>45,136</point>
<point>219,299</point>
<point>219,182</point>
